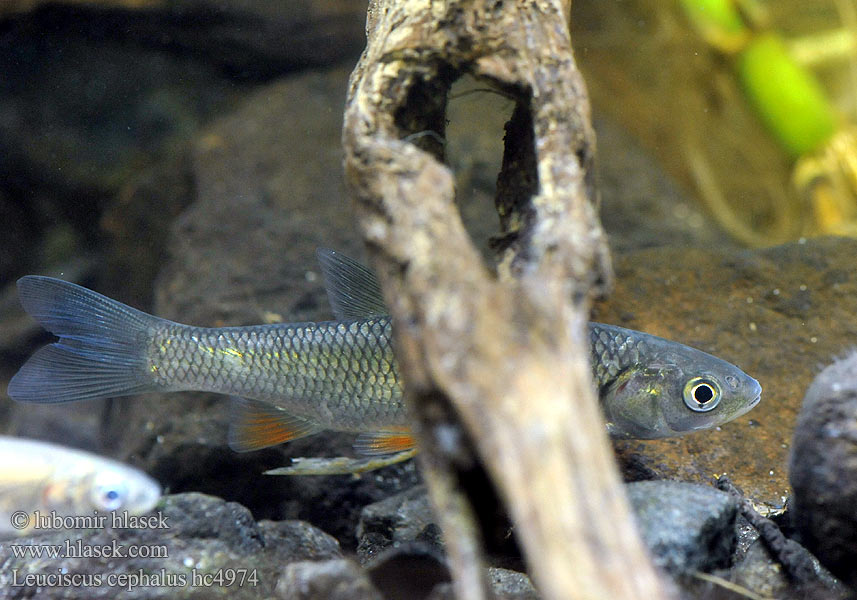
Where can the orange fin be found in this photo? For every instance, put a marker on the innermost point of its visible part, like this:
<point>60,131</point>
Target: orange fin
<point>384,442</point>
<point>254,425</point>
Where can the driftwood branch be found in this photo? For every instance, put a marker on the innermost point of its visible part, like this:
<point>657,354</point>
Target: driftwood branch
<point>495,366</point>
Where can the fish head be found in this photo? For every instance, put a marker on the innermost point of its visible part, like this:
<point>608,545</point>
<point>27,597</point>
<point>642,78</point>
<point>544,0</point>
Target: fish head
<point>680,390</point>
<point>120,488</point>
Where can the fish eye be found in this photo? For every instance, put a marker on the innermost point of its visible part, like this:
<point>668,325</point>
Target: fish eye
<point>109,495</point>
<point>702,394</point>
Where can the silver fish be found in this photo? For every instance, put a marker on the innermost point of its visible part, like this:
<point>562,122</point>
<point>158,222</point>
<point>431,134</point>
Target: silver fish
<point>42,482</point>
<point>295,379</point>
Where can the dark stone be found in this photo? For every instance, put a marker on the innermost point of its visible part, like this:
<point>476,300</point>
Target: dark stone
<point>401,518</point>
<point>505,585</point>
<point>408,570</point>
<point>337,579</point>
<point>511,585</point>
<point>687,527</point>
<point>758,571</point>
<point>298,541</point>
<point>823,469</point>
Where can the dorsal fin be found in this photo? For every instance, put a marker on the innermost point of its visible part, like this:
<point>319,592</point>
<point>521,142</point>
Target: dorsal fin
<point>352,289</point>
<point>254,425</point>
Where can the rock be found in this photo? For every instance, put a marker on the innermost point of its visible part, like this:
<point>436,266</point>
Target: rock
<point>511,585</point>
<point>338,579</point>
<point>298,540</point>
<point>408,570</point>
<point>740,306</point>
<point>505,585</point>
<point>200,547</point>
<point>398,535</point>
<point>404,517</point>
<point>823,469</point>
<point>759,572</point>
<point>687,527</point>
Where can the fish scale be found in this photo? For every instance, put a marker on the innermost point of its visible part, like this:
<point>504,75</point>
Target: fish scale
<point>340,374</point>
<point>613,350</point>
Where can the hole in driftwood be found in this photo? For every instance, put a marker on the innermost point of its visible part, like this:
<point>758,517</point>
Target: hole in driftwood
<point>518,181</point>
<point>485,136</point>
<point>476,115</point>
<point>422,117</point>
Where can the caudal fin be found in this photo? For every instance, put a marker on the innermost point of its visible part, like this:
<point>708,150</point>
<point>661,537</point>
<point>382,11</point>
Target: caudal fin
<point>99,353</point>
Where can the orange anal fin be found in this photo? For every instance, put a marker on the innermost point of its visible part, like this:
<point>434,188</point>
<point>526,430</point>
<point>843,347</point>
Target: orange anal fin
<point>254,425</point>
<point>384,442</point>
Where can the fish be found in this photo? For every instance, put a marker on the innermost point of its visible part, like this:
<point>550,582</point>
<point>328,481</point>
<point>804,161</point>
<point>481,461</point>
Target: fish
<point>292,380</point>
<point>48,486</point>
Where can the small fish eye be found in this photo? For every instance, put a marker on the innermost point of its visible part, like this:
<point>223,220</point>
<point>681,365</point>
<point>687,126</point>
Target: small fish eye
<point>109,495</point>
<point>701,394</point>
<point>111,499</point>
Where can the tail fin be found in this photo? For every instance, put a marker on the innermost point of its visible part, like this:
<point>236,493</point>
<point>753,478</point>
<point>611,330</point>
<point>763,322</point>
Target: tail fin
<point>100,353</point>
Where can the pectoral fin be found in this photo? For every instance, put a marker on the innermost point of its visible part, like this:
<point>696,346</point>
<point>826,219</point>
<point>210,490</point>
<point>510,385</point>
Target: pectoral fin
<point>255,425</point>
<point>384,442</point>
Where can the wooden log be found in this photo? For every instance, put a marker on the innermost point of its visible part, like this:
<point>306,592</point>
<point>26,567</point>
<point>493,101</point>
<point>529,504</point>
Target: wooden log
<point>495,365</point>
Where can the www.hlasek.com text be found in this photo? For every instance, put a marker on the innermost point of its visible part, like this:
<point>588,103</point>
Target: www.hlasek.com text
<point>80,549</point>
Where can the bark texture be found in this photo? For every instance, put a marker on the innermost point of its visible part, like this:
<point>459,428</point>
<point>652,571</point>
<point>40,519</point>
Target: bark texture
<point>495,365</point>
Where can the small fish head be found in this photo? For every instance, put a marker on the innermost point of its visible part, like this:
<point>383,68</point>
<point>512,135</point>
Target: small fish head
<point>123,489</point>
<point>681,391</point>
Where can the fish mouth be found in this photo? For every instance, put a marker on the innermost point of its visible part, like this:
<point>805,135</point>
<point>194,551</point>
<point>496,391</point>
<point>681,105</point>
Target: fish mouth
<point>756,400</point>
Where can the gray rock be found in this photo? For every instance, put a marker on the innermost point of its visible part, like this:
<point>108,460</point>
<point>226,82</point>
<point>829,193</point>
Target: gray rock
<point>823,469</point>
<point>408,570</point>
<point>759,572</point>
<point>688,527</point>
<point>505,585</point>
<point>400,532</point>
<point>202,547</point>
<point>337,579</point>
<point>405,517</point>
<point>511,585</point>
<point>298,540</point>
<point>100,103</point>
